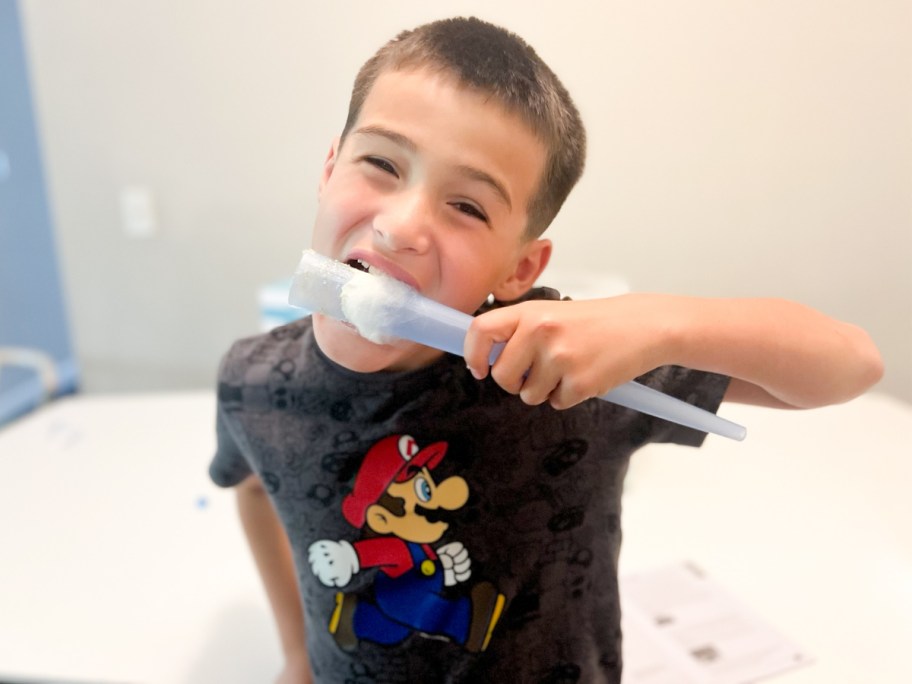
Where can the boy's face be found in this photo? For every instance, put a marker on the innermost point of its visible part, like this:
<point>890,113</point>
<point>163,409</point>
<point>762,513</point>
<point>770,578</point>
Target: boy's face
<point>431,187</point>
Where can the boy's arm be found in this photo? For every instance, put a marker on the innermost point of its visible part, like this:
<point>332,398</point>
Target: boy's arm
<point>778,353</point>
<point>272,554</point>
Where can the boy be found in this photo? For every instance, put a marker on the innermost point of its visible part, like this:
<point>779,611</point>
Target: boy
<point>440,521</point>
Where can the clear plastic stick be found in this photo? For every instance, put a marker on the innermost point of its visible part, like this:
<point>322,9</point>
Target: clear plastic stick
<point>383,309</point>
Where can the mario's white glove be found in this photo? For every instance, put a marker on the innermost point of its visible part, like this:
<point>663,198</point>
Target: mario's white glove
<point>333,563</point>
<point>457,566</point>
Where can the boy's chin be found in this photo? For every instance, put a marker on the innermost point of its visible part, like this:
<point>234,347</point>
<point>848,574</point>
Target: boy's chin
<point>344,346</point>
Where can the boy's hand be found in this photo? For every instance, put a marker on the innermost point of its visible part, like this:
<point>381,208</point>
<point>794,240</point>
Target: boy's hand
<point>565,352</point>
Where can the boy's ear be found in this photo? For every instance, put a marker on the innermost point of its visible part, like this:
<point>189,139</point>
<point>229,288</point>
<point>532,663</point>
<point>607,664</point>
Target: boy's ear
<point>534,256</point>
<point>328,165</point>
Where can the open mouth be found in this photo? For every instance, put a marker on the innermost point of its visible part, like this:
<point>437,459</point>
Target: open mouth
<point>359,265</point>
<point>382,268</point>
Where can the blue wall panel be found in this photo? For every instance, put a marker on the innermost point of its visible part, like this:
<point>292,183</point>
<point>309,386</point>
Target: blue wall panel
<point>32,311</point>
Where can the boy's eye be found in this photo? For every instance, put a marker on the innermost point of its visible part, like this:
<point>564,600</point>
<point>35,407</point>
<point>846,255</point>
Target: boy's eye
<point>382,164</point>
<point>470,210</point>
<point>422,490</point>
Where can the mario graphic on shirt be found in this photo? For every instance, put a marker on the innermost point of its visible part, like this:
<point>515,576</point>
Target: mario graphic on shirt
<point>399,507</point>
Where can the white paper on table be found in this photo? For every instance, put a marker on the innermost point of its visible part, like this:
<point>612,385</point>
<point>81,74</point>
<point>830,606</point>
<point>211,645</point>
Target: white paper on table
<point>680,627</point>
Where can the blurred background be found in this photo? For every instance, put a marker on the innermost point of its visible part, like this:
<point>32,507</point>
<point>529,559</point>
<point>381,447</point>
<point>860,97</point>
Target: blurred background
<point>737,148</point>
<point>158,180</point>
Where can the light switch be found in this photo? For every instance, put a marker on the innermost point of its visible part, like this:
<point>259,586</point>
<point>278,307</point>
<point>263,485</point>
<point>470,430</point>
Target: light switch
<point>137,208</point>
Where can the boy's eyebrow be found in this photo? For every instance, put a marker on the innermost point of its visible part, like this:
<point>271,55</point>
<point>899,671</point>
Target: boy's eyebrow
<point>392,136</point>
<point>468,171</point>
<point>488,179</point>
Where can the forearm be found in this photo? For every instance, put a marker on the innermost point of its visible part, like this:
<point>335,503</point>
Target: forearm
<point>273,557</point>
<point>778,352</point>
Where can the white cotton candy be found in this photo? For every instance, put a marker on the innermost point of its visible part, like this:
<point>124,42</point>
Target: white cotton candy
<point>369,302</point>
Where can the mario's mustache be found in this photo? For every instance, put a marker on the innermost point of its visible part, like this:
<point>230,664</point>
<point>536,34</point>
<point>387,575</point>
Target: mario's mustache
<point>435,515</point>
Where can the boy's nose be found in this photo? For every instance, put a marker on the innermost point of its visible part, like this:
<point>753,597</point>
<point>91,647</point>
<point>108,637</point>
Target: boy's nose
<point>405,223</point>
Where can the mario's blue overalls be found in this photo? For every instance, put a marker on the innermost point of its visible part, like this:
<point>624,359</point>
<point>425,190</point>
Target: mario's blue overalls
<point>412,602</point>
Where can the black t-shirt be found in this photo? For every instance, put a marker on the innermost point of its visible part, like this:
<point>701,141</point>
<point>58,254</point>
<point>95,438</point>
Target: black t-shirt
<point>443,531</point>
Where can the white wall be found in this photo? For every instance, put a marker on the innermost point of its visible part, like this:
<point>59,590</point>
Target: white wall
<point>736,148</point>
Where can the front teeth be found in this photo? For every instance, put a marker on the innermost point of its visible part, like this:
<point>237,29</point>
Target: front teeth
<point>367,267</point>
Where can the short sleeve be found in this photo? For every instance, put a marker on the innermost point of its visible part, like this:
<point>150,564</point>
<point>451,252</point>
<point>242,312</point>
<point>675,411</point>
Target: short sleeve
<point>229,466</point>
<point>699,388</point>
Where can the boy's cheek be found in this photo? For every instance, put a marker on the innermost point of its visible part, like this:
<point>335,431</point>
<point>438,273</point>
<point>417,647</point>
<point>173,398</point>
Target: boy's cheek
<point>354,208</point>
<point>332,224</point>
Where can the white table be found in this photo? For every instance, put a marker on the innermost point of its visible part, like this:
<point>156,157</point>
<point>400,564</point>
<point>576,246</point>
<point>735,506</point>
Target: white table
<point>120,562</point>
<point>808,522</point>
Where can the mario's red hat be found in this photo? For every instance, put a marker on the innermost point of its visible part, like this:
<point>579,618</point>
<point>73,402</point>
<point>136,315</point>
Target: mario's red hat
<point>384,464</point>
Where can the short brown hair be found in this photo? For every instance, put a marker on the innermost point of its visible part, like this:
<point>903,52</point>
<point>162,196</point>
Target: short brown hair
<point>494,61</point>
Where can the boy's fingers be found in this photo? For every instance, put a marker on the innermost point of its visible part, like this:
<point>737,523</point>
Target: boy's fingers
<point>540,384</point>
<point>517,355</point>
<point>520,370</point>
<point>566,395</point>
<point>509,371</point>
<point>486,330</point>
